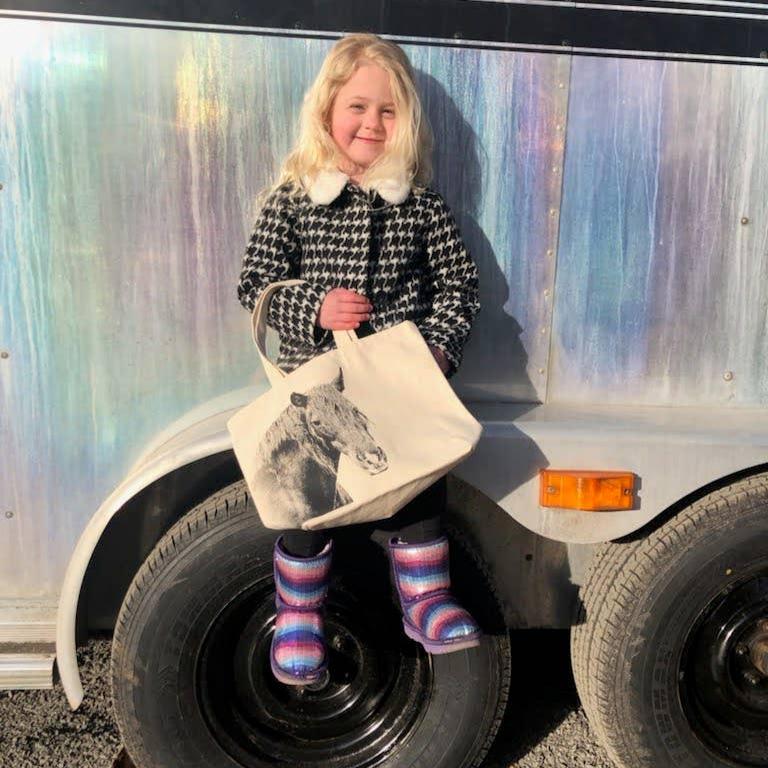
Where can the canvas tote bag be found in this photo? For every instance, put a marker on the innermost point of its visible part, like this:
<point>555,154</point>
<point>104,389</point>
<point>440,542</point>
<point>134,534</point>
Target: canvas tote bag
<point>353,434</point>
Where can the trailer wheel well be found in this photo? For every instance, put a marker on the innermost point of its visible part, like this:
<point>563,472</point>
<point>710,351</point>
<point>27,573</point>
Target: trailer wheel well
<point>686,501</point>
<point>135,529</point>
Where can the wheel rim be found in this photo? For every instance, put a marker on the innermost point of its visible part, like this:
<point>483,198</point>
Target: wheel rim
<point>378,685</point>
<point>724,688</point>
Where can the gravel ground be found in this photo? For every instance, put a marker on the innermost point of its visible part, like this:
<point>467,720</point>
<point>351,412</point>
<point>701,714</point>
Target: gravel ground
<point>544,726</point>
<point>38,729</point>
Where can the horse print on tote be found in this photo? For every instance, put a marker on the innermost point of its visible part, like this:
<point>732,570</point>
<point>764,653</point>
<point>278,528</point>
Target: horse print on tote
<point>299,455</point>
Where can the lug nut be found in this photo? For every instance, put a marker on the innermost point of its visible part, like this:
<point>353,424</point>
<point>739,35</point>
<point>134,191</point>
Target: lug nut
<point>752,677</point>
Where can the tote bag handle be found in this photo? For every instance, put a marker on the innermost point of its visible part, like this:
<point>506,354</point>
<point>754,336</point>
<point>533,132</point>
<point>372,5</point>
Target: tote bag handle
<point>259,329</point>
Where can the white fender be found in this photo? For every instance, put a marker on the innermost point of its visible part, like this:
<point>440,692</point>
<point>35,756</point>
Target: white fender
<point>198,434</point>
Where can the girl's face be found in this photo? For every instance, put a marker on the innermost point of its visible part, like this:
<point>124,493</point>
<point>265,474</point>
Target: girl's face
<point>363,118</point>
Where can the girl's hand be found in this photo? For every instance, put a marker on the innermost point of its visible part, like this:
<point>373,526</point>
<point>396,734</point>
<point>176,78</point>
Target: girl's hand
<point>441,359</point>
<point>343,310</point>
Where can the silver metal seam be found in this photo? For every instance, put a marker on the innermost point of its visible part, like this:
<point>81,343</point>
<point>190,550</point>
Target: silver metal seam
<point>556,254</point>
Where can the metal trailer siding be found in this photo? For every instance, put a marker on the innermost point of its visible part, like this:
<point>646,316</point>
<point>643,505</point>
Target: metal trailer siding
<point>130,159</point>
<point>661,295</point>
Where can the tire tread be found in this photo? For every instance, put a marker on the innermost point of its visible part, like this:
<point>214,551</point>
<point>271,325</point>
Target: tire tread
<point>608,601</point>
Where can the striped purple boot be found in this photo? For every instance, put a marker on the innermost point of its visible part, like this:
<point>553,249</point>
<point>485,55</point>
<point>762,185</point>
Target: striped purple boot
<point>431,615</point>
<point>298,654</point>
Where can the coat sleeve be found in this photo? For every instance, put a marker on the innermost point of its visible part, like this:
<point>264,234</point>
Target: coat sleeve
<point>274,253</point>
<point>456,286</point>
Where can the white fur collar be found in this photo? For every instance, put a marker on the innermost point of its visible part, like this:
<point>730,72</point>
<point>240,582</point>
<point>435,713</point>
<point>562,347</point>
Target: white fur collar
<point>327,186</point>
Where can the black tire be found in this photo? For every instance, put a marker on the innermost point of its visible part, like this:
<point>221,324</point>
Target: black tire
<point>669,632</point>
<point>190,672</point>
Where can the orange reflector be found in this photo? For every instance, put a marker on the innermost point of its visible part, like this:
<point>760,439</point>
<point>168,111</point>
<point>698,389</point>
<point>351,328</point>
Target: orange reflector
<point>587,490</point>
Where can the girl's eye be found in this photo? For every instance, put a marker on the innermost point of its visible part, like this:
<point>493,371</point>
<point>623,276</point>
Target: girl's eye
<point>389,111</point>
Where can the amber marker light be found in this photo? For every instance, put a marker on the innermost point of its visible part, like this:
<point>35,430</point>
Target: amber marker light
<point>586,489</point>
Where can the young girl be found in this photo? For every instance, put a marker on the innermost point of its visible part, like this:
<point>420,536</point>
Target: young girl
<point>352,217</point>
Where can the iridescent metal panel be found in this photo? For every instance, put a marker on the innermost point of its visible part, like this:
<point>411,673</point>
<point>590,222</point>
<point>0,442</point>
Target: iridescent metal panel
<point>662,273</point>
<point>130,159</point>
<point>499,122</point>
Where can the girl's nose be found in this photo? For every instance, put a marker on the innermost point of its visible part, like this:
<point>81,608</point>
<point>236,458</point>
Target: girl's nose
<point>373,121</point>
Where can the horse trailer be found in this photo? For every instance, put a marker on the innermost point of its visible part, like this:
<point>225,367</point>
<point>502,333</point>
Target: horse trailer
<point>608,168</point>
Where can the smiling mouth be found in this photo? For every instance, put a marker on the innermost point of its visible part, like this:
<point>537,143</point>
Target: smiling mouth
<point>370,141</point>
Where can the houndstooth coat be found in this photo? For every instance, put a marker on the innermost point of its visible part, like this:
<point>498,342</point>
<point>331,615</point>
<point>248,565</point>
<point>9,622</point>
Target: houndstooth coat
<point>398,246</point>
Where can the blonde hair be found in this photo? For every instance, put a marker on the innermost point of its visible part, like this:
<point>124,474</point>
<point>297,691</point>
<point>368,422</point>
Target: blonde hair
<point>407,155</point>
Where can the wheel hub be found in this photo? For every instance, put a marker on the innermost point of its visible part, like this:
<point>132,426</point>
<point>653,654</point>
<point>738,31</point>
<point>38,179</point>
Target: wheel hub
<point>375,691</point>
<point>724,687</point>
<point>758,649</point>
